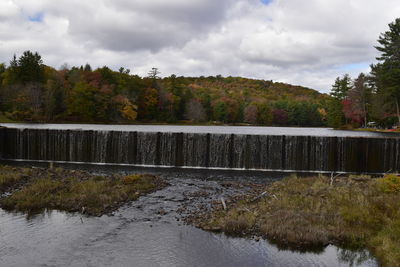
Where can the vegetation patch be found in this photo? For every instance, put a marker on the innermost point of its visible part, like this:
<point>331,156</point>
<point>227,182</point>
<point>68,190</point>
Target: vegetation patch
<point>356,212</point>
<point>11,177</point>
<point>4,118</point>
<point>74,191</point>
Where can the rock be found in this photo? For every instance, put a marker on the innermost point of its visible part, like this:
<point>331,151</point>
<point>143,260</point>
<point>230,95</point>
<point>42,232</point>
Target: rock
<point>162,212</point>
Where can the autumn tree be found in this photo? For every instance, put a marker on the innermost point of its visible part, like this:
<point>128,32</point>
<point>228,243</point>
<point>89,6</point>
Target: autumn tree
<point>55,95</point>
<point>251,114</point>
<point>356,105</point>
<point>82,101</point>
<point>194,111</point>
<point>264,113</point>
<point>148,104</point>
<point>280,117</point>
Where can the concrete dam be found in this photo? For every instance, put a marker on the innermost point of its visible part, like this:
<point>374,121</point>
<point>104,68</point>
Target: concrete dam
<point>204,150</point>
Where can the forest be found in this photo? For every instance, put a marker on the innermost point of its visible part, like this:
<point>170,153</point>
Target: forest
<point>372,99</point>
<point>33,91</point>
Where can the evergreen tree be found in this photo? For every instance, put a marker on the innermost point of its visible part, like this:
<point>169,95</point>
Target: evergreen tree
<point>386,74</point>
<point>335,116</point>
<point>29,68</point>
<point>341,87</point>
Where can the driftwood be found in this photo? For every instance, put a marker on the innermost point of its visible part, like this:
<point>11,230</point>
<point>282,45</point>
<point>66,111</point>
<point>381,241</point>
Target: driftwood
<point>263,194</point>
<point>223,203</point>
<point>333,177</point>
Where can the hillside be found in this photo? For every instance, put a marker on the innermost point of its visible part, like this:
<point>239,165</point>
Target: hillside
<point>32,91</point>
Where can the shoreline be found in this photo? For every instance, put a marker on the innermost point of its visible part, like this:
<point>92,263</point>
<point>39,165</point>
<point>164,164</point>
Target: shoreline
<point>355,212</point>
<point>33,190</point>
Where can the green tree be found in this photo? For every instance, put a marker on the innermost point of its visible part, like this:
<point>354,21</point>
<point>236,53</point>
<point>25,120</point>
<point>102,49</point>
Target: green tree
<point>29,68</point>
<point>341,87</point>
<point>82,102</point>
<point>264,113</point>
<point>386,74</point>
<point>54,97</point>
<point>220,111</point>
<point>335,115</point>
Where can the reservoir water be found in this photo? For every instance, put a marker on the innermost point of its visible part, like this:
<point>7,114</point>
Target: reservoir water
<point>244,130</point>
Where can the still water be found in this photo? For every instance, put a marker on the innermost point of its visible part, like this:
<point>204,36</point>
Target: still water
<point>138,234</point>
<point>204,129</point>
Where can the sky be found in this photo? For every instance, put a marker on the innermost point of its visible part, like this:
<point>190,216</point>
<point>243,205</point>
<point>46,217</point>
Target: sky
<point>302,42</point>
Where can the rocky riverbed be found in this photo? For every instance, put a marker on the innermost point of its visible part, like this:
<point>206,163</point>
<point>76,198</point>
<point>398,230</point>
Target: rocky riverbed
<point>155,230</point>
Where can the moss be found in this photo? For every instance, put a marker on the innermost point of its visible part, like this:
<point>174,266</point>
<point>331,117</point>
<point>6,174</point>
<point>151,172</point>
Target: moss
<point>78,191</point>
<point>355,211</point>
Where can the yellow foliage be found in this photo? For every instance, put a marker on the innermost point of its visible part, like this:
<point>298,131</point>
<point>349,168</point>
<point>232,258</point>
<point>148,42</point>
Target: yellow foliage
<point>390,183</point>
<point>322,112</point>
<point>129,111</point>
<point>131,179</point>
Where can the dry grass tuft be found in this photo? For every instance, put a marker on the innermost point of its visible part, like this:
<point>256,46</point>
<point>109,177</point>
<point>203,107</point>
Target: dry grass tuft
<point>76,191</point>
<point>355,211</point>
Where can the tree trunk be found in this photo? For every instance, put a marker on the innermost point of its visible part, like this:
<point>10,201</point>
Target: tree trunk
<point>365,115</point>
<point>398,113</point>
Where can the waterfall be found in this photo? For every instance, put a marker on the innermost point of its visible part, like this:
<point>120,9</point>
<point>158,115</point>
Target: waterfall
<point>204,150</point>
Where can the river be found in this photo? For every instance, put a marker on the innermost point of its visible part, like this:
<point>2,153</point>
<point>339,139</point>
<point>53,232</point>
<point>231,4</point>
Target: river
<point>150,232</point>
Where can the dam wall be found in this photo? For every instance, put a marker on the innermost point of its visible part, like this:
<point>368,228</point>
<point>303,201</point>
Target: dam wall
<point>204,150</point>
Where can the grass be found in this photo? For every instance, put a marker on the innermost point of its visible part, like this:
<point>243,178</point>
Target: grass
<point>355,212</point>
<point>10,177</point>
<point>77,191</point>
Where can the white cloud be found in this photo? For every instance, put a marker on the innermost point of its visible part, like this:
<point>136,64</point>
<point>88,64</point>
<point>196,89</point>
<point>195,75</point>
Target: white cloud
<point>296,41</point>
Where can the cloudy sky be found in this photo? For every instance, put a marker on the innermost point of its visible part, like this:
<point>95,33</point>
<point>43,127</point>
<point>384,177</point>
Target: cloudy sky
<point>305,42</point>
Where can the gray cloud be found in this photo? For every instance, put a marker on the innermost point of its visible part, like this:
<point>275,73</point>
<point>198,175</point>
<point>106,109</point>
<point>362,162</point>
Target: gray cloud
<point>296,41</point>
<point>142,25</point>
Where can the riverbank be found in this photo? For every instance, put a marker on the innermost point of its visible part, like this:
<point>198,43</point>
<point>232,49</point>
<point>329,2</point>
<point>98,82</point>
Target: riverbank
<point>355,211</point>
<point>33,190</point>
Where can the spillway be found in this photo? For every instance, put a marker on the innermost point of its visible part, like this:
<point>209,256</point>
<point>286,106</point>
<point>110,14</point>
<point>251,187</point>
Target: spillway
<point>204,150</point>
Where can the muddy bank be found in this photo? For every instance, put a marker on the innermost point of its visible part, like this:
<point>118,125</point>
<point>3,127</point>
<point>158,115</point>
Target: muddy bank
<point>357,212</point>
<point>33,190</point>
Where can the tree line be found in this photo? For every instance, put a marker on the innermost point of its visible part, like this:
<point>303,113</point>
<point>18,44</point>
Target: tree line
<point>33,91</point>
<point>373,98</point>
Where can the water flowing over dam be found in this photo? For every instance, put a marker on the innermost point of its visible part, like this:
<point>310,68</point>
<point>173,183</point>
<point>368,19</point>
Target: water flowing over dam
<point>204,150</point>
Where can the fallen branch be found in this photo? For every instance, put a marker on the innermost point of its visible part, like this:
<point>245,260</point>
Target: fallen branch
<point>333,177</point>
<point>223,203</point>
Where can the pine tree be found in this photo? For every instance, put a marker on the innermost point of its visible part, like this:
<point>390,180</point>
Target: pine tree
<point>341,87</point>
<point>30,68</point>
<point>386,74</point>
